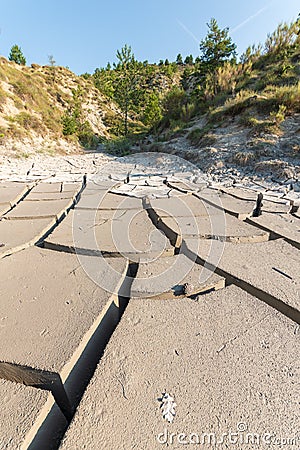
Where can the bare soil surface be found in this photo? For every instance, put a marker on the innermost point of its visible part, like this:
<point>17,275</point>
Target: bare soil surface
<point>196,297</point>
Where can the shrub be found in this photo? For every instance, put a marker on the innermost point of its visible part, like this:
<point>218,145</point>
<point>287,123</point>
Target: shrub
<point>119,147</point>
<point>283,37</point>
<point>114,123</point>
<point>289,96</point>
<point>195,135</point>
<point>69,124</point>
<point>234,106</point>
<point>86,136</point>
<point>28,121</point>
<point>274,96</point>
<point>263,126</point>
<point>278,116</point>
<point>25,89</point>
<point>188,110</point>
<point>173,103</point>
<point>152,112</point>
<point>227,76</point>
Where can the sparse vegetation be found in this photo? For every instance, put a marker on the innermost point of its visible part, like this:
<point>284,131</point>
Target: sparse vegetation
<point>34,103</point>
<point>29,121</point>
<point>123,101</point>
<point>119,146</point>
<point>74,123</point>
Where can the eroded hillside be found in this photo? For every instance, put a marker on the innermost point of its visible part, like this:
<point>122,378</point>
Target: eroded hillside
<point>39,103</point>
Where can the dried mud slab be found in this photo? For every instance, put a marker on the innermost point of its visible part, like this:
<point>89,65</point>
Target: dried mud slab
<point>129,233</point>
<point>19,409</point>
<point>101,199</point>
<point>49,302</point>
<point>185,185</point>
<point>184,206</point>
<point>225,360</point>
<point>281,225</point>
<point>71,187</point>
<point>16,235</point>
<point>51,306</point>
<point>225,228</point>
<point>47,188</point>
<point>240,193</point>
<point>96,185</point>
<point>49,196</point>
<point>173,277</point>
<point>11,192</point>
<point>39,209</point>
<point>251,195</point>
<point>4,208</point>
<point>242,209</point>
<point>272,267</point>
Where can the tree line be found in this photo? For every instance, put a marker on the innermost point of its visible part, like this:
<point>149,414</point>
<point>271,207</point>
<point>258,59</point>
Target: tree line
<point>216,70</point>
<point>151,93</point>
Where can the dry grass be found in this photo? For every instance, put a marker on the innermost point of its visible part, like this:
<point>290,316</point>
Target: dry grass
<point>244,158</point>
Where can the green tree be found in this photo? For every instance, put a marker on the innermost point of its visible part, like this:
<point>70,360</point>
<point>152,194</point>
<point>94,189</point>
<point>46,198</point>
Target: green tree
<point>104,80</point>
<point>152,113</point>
<point>173,102</point>
<point>186,77</point>
<point>16,55</point>
<point>217,47</point>
<point>189,60</point>
<point>179,59</point>
<point>73,122</point>
<point>126,89</point>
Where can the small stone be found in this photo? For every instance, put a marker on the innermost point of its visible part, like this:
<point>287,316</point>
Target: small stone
<point>188,289</point>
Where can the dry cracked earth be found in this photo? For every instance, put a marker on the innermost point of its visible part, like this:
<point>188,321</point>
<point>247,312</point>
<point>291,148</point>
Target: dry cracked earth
<point>137,280</point>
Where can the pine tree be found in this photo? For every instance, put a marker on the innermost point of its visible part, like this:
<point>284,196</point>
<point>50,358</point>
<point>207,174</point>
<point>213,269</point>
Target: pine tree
<point>217,47</point>
<point>16,55</point>
<point>189,60</point>
<point>127,83</point>
<point>179,59</point>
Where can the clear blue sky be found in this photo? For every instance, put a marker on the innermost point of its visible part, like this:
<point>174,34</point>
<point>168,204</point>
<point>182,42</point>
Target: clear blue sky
<point>84,35</point>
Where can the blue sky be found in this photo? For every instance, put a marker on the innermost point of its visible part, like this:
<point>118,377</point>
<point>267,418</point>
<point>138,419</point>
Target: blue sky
<point>84,35</point>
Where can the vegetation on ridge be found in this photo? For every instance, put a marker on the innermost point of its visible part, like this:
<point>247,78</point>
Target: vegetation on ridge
<point>127,100</point>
